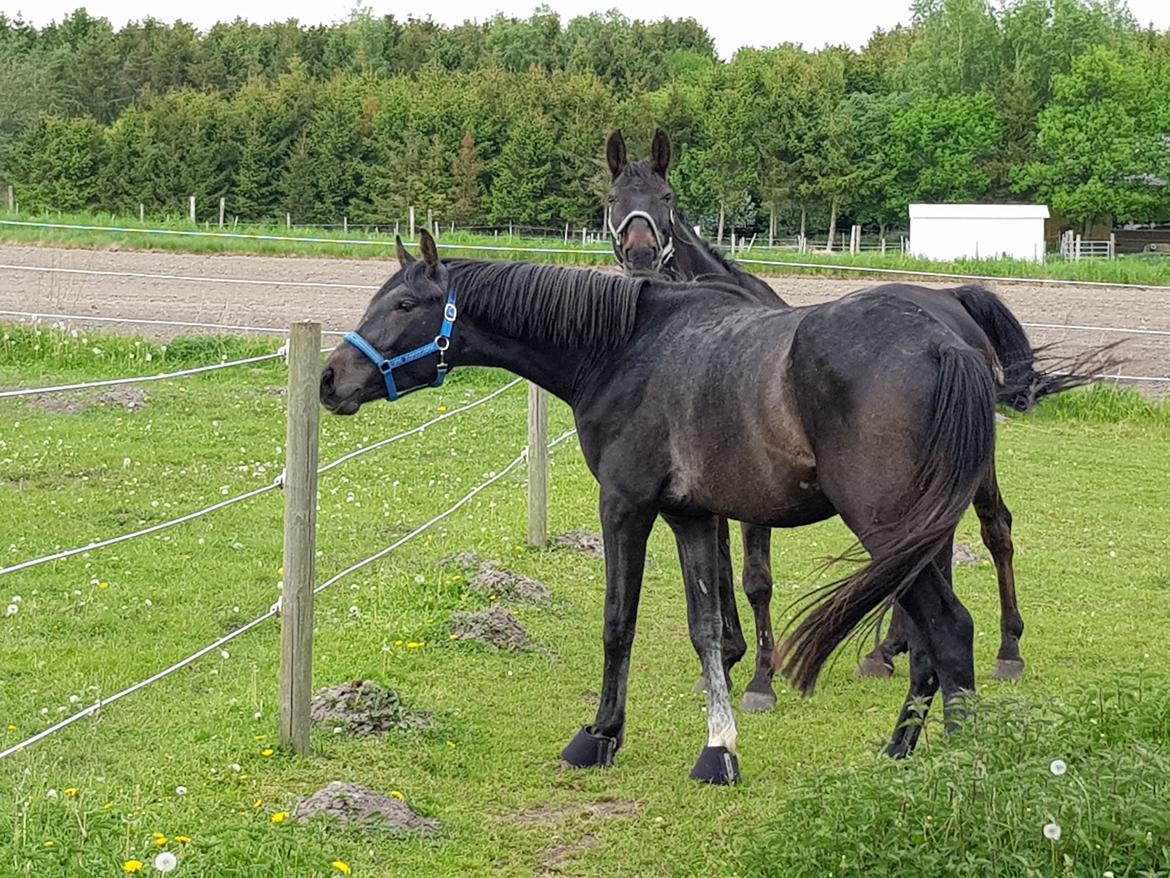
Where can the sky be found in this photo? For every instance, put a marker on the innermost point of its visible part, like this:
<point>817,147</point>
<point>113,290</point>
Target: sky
<point>732,24</point>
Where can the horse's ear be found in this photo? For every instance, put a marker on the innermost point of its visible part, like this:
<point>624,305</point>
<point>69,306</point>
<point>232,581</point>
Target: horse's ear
<point>660,152</point>
<point>404,258</point>
<point>429,250</point>
<point>615,153</point>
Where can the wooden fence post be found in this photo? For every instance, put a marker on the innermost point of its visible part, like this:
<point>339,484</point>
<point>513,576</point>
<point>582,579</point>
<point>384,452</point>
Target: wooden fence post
<point>11,199</point>
<point>1112,245</point>
<point>537,466</point>
<point>141,212</point>
<point>300,535</point>
<point>1077,249</point>
<point>191,208</point>
<point>222,204</point>
<point>412,224</point>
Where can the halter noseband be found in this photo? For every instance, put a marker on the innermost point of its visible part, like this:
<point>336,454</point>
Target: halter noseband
<point>665,242</point>
<point>438,346</point>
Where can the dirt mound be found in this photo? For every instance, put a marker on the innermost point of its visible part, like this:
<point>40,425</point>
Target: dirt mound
<point>130,398</point>
<point>583,541</point>
<point>351,803</point>
<point>364,707</point>
<point>965,556</point>
<point>558,855</point>
<point>509,586</point>
<point>466,560</point>
<point>496,628</point>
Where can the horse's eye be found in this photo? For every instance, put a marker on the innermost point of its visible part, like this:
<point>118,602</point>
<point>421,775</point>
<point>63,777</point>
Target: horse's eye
<point>669,196</point>
<point>405,305</point>
<point>612,199</point>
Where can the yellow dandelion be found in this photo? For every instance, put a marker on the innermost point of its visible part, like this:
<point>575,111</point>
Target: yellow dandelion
<point>451,744</point>
<point>398,643</point>
<point>261,737</point>
<point>132,866</point>
<point>280,571</point>
<point>183,839</point>
<point>266,752</point>
<point>49,843</point>
<point>280,816</point>
<point>103,586</point>
<point>341,866</point>
<point>491,597</point>
<point>414,644</point>
<point>442,409</point>
<point>257,803</point>
<point>244,777</point>
<point>11,728</point>
<point>454,636</point>
<point>397,794</point>
<point>160,839</point>
<point>71,792</point>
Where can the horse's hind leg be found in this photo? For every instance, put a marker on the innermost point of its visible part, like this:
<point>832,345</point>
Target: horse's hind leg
<point>880,661</point>
<point>757,584</point>
<point>995,522</point>
<point>941,649</point>
<point>734,643</point>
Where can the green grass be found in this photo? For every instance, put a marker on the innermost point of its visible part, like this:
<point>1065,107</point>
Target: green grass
<point>1135,269</point>
<point>1092,534</point>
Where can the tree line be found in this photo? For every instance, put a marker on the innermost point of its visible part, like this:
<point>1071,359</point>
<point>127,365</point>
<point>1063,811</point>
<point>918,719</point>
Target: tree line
<point>1064,101</point>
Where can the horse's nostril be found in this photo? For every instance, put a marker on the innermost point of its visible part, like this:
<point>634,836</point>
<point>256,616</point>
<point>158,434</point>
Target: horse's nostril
<point>327,379</point>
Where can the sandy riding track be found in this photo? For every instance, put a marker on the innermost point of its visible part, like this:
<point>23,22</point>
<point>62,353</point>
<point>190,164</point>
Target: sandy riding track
<point>283,289</point>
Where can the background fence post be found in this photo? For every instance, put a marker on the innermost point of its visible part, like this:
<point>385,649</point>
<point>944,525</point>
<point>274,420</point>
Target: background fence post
<point>300,535</point>
<point>191,208</point>
<point>412,224</point>
<point>537,465</point>
<point>222,205</point>
<point>11,199</point>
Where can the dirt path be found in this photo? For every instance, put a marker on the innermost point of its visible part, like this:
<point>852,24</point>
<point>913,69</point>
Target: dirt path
<point>273,303</point>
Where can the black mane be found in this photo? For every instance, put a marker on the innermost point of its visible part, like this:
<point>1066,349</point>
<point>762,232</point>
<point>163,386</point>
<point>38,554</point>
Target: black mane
<point>571,307</point>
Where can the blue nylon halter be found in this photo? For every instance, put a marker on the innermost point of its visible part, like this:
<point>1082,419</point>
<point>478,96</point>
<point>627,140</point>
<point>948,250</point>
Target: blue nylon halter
<point>438,346</point>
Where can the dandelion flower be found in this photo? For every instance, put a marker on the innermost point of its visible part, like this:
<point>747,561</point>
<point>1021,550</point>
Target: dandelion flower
<point>103,586</point>
<point>261,737</point>
<point>257,803</point>
<point>51,794</point>
<point>442,409</point>
<point>16,599</point>
<point>235,766</point>
<point>280,817</point>
<point>398,643</point>
<point>180,791</point>
<point>71,792</point>
<point>11,727</point>
<point>160,839</point>
<point>414,644</point>
<point>1052,831</point>
<point>132,866</point>
<point>74,699</point>
<point>1058,767</point>
<point>397,794</point>
<point>12,610</point>
<point>165,862</point>
<point>49,843</point>
<point>183,839</point>
<point>266,752</point>
<point>225,655</point>
<point>454,636</point>
<point>341,866</point>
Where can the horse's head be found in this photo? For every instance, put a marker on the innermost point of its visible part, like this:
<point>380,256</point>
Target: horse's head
<point>402,341</point>
<point>640,208</point>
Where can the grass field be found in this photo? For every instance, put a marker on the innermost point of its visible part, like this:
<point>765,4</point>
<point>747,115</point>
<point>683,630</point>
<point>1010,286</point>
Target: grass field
<point>1087,478</point>
<point>1135,269</point>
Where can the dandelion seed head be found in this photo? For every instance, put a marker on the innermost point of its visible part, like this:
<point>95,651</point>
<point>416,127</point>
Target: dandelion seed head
<point>180,791</point>
<point>1058,767</point>
<point>1052,831</point>
<point>165,862</point>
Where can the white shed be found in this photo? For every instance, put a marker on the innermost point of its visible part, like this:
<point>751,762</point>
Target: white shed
<point>978,231</point>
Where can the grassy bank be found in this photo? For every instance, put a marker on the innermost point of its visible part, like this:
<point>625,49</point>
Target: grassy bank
<point>189,756</point>
<point>277,240</point>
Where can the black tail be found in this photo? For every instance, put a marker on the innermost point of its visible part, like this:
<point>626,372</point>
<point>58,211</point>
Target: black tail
<point>958,447</point>
<point>1024,381</point>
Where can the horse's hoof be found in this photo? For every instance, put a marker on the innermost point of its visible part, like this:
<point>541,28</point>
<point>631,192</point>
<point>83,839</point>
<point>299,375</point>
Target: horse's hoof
<point>900,749</point>
<point>1008,671</point>
<point>874,666</point>
<point>716,765</point>
<point>588,750</point>
<point>700,685</point>
<point>757,702</point>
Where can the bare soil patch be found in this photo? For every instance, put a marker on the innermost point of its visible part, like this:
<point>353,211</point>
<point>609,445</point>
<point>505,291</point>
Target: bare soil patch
<point>497,629</point>
<point>351,803</point>
<point>364,708</point>
<point>130,398</point>
<point>965,556</point>
<point>545,815</point>
<point>584,541</point>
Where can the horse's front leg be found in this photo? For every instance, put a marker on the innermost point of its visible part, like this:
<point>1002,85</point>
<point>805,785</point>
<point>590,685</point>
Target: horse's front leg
<point>697,538</point>
<point>625,528</point>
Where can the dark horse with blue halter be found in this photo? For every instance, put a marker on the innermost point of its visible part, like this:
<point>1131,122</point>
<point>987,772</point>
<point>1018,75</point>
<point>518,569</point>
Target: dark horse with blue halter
<point>868,408</point>
<point>649,234</point>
